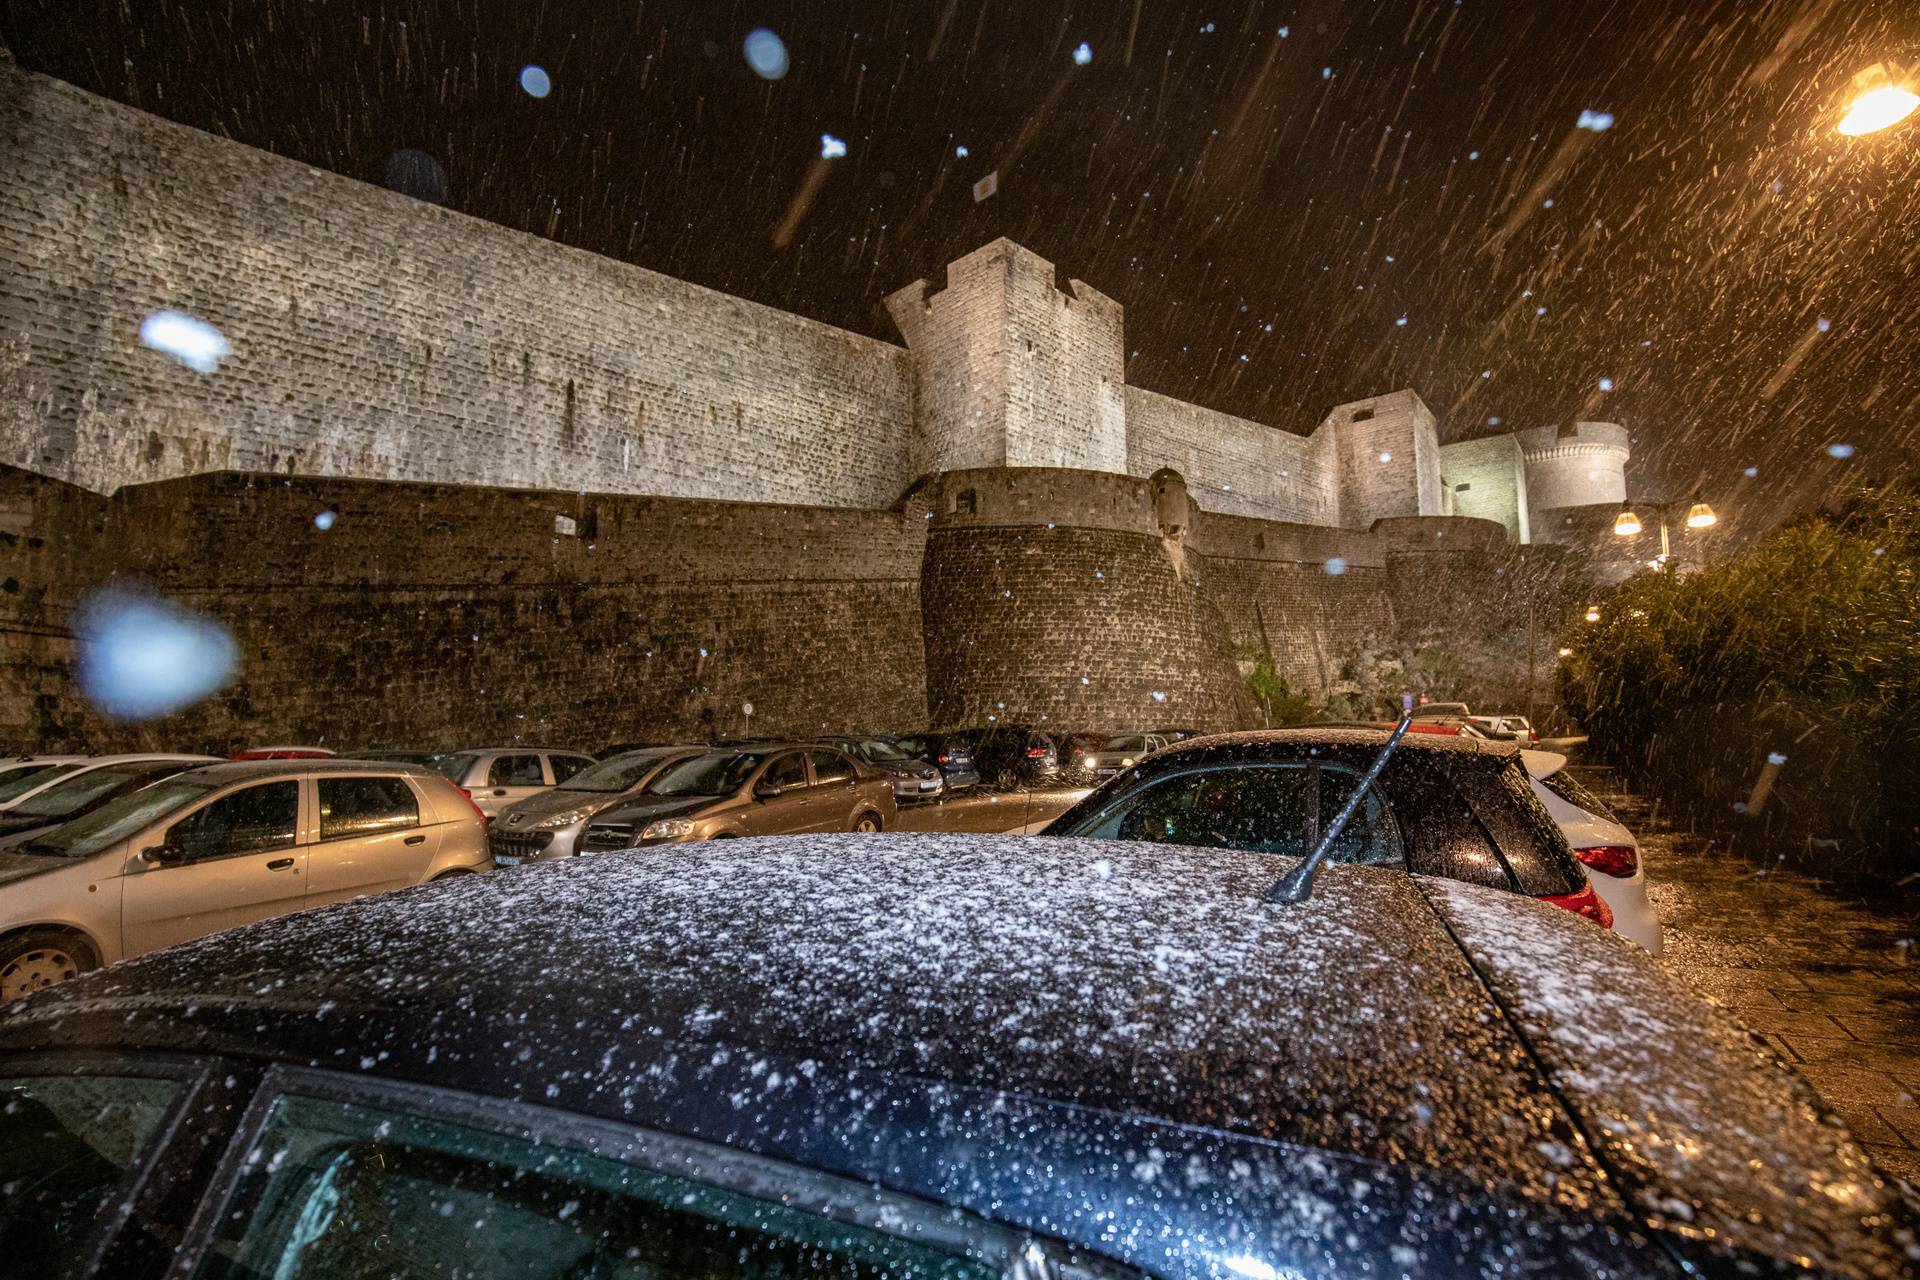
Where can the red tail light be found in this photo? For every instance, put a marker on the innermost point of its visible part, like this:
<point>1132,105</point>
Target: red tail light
<point>467,795</point>
<point>1611,859</point>
<point>944,759</point>
<point>1584,903</point>
<point>1034,753</point>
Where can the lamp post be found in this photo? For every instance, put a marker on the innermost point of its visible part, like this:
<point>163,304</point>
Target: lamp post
<point>1699,516</point>
<point>1884,95</point>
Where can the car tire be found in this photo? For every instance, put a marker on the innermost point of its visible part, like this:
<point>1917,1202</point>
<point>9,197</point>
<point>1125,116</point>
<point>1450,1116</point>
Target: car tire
<point>41,958</point>
<point>868,823</point>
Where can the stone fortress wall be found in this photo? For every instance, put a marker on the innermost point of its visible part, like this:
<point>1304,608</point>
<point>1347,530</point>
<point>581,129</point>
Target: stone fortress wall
<point>582,501</point>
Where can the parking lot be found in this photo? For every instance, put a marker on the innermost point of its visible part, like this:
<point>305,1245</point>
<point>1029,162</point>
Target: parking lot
<point>1825,975</point>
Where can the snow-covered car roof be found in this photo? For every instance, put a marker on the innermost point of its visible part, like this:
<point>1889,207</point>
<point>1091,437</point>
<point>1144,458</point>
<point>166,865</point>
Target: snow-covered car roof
<point>773,993</point>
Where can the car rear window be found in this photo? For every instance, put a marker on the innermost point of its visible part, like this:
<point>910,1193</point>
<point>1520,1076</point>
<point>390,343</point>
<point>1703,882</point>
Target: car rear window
<point>365,806</point>
<point>1529,839</point>
<point>1576,793</point>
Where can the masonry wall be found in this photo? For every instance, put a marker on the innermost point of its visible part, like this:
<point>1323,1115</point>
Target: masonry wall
<point>1487,479</point>
<point>52,552</point>
<point>1388,457</point>
<point>377,336</point>
<point>437,616</point>
<point>1233,465</point>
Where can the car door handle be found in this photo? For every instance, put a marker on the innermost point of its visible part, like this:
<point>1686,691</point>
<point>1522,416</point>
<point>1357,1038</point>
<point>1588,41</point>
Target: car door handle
<point>280,864</point>
<point>414,840</point>
<point>499,791</point>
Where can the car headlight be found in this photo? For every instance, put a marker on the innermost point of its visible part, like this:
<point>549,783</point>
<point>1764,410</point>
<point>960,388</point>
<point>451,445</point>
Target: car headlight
<point>1127,763</point>
<point>667,829</point>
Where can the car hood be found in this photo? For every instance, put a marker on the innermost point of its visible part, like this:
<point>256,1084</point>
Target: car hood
<point>557,807</point>
<point>648,808</point>
<point>22,866</point>
<point>904,768</point>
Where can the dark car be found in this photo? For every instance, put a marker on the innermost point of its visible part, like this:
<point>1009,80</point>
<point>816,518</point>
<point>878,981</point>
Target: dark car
<point>1444,806</point>
<point>1013,755</point>
<point>913,778</point>
<point>549,824</point>
<point>778,788</point>
<point>1077,751</point>
<point>933,1057</point>
<point>948,752</point>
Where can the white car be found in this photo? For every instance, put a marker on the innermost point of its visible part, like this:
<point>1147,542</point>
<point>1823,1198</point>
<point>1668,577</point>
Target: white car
<point>16,788</point>
<point>1610,852</point>
<point>499,776</point>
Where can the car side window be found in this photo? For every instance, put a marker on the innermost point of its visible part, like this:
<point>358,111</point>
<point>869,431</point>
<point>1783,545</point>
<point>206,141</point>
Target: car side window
<point>516,771</point>
<point>830,768</point>
<point>68,1144</point>
<point>253,820</point>
<point>358,1190</point>
<point>1268,808</point>
<point>365,806</point>
<point>789,770</point>
<point>1445,839</point>
<point>565,767</point>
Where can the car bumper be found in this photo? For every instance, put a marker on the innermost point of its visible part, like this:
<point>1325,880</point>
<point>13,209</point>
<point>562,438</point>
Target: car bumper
<point>905,789</point>
<point>511,848</point>
<point>1633,914</point>
<point>960,779</point>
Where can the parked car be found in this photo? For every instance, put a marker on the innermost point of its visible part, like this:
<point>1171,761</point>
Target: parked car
<point>1013,756</point>
<point>1441,711</point>
<point>778,789</point>
<point>27,788</point>
<point>23,775</point>
<point>218,846</point>
<point>499,776</point>
<point>1609,850</point>
<point>549,824</point>
<point>1506,729</point>
<point>947,752</point>
<point>397,756</point>
<point>282,753</point>
<point>922,1056</point>
<point>912,777</point>
<point>81,792</point>
<point>1076,752</point>
<point>1123,751</point>
<point>1443,806</point>
<point>625,748</point>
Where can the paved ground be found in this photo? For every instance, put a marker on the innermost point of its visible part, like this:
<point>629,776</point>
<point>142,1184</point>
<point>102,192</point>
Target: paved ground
<point>1829,977</point>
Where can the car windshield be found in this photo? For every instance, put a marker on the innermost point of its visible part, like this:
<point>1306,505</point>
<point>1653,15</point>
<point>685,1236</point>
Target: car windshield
<point>719,774</point>
<point>618,774</point>
<point>875,749</point>
<point>451,767</point>
<point>1576,793</point>
<point>18,783</point>
<point>1126,742</point>
<point>70,795</point>
<point>117,819</point>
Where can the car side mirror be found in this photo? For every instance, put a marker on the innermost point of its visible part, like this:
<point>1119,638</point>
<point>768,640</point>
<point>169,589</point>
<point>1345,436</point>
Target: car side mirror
<point>164,855</point>
<point>766,790</point>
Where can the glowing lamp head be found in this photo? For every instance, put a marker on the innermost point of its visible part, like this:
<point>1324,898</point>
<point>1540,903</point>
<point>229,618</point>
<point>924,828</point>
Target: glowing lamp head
<point>1626,524</point>
<point>1566,651</point>
<point>1700,516</point>
<point>1883,99</point>
<point>1593,615</point>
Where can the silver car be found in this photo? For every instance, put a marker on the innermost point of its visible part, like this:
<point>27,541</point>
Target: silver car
<point>499,776</point>
<point>548,825</point>
<point>220,846</point>
<point>1124,751</point>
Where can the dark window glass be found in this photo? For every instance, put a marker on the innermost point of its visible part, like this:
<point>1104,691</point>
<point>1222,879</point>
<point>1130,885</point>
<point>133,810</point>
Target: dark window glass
<point>516,771</point>
<point>786,771</point>
<point>365,806</point>
<point>719,774</point>
<point>1531,841</point>
<point>21,781</point>
<point>831,768</point>
<point>453,768</point>
<point>250,821</point>
<point>85,791</point>
<point>351,1191</point>
<point>67,1146</point>
<point>1443,836</point>
<point>565,767</point>
<point>1259,808</point>
<point>1577,794</point>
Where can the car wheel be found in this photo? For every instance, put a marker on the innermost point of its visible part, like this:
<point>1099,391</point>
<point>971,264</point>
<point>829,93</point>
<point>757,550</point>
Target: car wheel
<point>867,823</point>
<point>40,958</point>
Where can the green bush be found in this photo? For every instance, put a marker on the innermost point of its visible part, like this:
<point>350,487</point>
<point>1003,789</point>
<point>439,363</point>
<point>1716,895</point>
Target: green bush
<point>1805,647</point>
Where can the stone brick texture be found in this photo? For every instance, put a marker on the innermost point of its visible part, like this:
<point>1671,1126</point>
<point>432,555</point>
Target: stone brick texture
<point>1487,479</point>
<point>380,337</point>
<point>438,617</point>
<point>1232,465</point>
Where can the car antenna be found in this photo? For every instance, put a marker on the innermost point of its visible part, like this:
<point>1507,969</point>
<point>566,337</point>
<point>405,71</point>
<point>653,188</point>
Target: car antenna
<point>1297,884</point>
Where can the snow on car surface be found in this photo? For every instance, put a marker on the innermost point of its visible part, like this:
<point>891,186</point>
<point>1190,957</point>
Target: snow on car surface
<point>1131,1012</point>
<point>1675,1096</point>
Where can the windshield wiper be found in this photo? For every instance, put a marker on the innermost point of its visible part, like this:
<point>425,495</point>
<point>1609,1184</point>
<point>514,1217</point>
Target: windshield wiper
<point>1297,884</point>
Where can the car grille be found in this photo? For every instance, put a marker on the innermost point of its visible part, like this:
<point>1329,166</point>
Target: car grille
<point>601,838</point>
<point>518,844</point>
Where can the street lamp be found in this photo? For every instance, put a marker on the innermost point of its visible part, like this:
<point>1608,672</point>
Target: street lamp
<point>1593,615</point>
<point>1884,96</point>
<point>1699,516</point>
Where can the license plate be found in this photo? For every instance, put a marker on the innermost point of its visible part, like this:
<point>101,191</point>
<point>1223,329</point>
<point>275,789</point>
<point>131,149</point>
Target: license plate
<point>1108,773</point>
<point>507,860</point>
<point>928,786</point>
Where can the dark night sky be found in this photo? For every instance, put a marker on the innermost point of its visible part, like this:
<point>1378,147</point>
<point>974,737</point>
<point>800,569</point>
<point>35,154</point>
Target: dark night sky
<point>1267,187</point>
